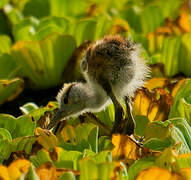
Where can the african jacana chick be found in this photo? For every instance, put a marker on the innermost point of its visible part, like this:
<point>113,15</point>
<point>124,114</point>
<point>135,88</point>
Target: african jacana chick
<point>113,69</point>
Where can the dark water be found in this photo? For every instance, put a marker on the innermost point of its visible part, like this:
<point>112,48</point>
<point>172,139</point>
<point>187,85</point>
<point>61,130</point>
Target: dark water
<point>39,97</point>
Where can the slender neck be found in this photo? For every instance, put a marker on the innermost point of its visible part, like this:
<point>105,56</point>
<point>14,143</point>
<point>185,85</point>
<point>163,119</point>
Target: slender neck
<point>94,96</point>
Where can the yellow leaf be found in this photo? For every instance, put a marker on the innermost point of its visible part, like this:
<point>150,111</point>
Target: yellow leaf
<point>125,147</point>
<point>159,41</point>
<point>186,173</point>
<point>178,26</point>
<point>151,41</point>
<point>177,30</point>
<point>4,174</point>
<point>119,26</point>
<point>153,104</point>
<point>157,83</point>
<point>182,83</point>
<point>164,30</point>
<point>141,103</point>
<point>51,105</point>
<point>188,155</point>
<point>184,21</point>
<point>156,173</point>
<point>46,138</point>
<point>48,172</point>
<point>68,134</point>
<point>55,154</point>
<point>18,167</point>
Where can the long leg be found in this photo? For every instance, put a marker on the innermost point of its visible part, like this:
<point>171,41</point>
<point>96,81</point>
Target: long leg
<point>118,108</point>
<point>130,124</point>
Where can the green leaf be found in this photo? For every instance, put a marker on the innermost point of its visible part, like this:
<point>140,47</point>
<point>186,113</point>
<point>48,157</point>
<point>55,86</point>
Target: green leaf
<point>183,161</point>
<point>40,158</point>
<point>143,20</point>
<point>151,18</point>
<point>28,107</point>
<point>33,29</point>
<point>35,113</point>
<point>184,110</point>
<point>62,8</point>
<point>188,99</point>
<point>184,128</point>
<point>32,175</point>
<point>101,157</point>
<point>180,107</point>
<point>138,166</point>
<point>158,130</point>
<point>88,153</point>
<point>80,146</point>
<point>88,170</point>
<point>154,60</point>
<point>13,15</point>
<point>37,8</point>
<point>22,144</point>
<point>68,159</point>
<point>83,131</point>
<point>166,158</point>
<point>4,24</point>
<point>51,25</point>
<point>18,127</point>
<point>169,8</point>
<point>132,16</point>
<point>83,136</point>
<point>104,24</point>
<point>43,62</point>
<point>105,170</point>
<point>5,139</point>
<point>158,144</point>
<point>105,143</point>
<point>160,135</point>
<point>25,29</point>
<point>25,126</point>
<point>87,134</point>
<point>5,149</point>
<point>141,124</point>
<point>84,30</point>
<point>140,38</point>
<point>10,89</point>
<point>170,55</point>
<point>93,139</point>
<point>5,134</point>
<point>11,67</point>
<point>18,144</point>
<point>5,44</point>
<point>64,158</point>
<point>107,115</point>
<point>157,136</point>
<point>67,175</point>
<point>185,55</point>
<point>3,3</point>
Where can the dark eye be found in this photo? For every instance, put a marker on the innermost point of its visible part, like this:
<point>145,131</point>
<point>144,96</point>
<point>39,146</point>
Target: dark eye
<point>84,65</point>
<point>65,100</point>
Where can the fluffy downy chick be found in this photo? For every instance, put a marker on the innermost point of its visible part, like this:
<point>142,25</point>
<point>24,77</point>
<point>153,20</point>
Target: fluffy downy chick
<point>113,69</point>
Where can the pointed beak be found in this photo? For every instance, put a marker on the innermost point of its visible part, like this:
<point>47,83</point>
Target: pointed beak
<point>57,117</point>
